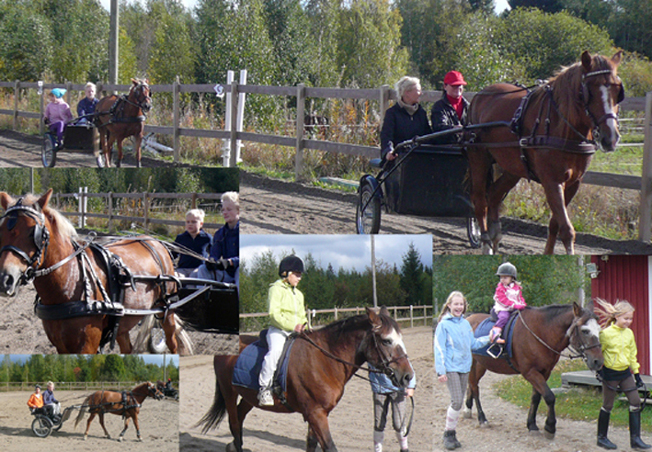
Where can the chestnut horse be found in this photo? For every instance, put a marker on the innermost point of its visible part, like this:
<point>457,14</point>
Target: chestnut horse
<point>113,402</point>
<point>540,336</point>
<point>119,117</point>
<point>79,307</point>
<point>551,141</point>
<point>321,363</point>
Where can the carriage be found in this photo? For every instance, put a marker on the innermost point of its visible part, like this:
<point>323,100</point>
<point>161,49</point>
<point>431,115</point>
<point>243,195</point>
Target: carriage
<point>426,181</point>
<point>79,135</point>
<point>43,425</point>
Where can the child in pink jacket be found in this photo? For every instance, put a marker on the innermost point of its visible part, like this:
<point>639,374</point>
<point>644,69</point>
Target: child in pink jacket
<point>57,113</point>
<point>507,298</point>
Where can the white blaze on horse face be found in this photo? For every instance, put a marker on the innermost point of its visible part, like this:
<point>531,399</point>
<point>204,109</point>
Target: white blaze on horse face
<point>611,122</point>
<point>396,340</point>
<point>594,327</point>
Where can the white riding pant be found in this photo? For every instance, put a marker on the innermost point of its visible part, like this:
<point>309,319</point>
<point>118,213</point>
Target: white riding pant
<point>276,341</point>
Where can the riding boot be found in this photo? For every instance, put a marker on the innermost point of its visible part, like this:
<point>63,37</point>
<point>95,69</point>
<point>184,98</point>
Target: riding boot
<point>455,441</point>
<point>449,439</point>
<point>635,440</point>
<point>603,427</point>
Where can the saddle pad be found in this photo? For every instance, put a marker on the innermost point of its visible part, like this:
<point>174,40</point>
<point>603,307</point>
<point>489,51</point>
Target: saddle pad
<point>249,363</point>
<point>483,330</point>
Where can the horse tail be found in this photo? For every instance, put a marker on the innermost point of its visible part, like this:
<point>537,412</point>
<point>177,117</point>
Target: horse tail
<point>144,332</point>
<point>82,411</point>
<point>185,344</point>
<point>216,412</point>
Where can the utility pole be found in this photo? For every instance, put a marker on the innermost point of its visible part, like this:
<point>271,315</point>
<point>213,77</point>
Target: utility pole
<point>113,43</point>
<point>373,269</point>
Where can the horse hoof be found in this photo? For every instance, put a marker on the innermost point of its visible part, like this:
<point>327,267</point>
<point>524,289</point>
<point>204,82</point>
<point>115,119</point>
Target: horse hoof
<point>484,424</point>
<point>548,435</point>
<point>231,447</point>
<point>467,414</point>
<point>534,433</point>
<point>120,439</point>
<point>85,437</point>
<point>140,439</point>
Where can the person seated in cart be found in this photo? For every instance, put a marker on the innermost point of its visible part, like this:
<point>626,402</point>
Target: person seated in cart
<point>450,112</point>
<point>57,113</point>
<point>35,402</point>
<point>51,405</point>
<point>195,239</point>
<point>87,105</point>
<point>404,120</point>
<point>225,250</point>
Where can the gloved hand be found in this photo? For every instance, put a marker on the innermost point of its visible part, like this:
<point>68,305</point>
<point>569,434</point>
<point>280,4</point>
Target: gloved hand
<point>639,381</point>
<point>211,265</point>
<point>223,263</point>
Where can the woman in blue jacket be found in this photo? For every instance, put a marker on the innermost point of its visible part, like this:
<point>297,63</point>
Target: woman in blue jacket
<point>454,342</point>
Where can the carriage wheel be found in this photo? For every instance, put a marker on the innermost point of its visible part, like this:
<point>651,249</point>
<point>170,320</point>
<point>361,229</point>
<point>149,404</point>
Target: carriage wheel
<point>156,342</point>
<point>473,232</point>
<point>367,221</point>
<point>100,160</point>
<point>49,152</point>
<point>42,426</point>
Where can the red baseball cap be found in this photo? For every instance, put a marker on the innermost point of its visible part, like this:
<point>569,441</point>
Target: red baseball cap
<point>454,78</point>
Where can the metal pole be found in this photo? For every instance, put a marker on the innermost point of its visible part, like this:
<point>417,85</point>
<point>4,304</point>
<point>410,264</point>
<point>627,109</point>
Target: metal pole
<point>373,269</point>
<point>113,43</point>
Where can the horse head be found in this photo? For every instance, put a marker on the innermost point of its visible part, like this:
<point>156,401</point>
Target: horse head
<point>584,336</point>
<point>139,94</point>
<point>24,239</point>
<point>153,391</point>
<point>384,349</point>
<point>600,93</point>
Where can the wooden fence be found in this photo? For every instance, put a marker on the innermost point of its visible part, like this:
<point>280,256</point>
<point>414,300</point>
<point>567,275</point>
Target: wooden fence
<point>407,316</point>
<point>300,143</point>
<point>69,386</point>
<point>144,203</point>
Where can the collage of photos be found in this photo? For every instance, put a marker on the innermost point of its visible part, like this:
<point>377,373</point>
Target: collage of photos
<point>446,225</point>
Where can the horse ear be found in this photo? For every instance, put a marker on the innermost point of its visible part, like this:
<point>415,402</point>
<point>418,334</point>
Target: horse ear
<point>374,317</point>
<point>617,58</point>
<point>384,311</point>
<point>45,199</point>
<point>5,200</point>
<point>134,81</point>
<point>586,61</point>
<point>577,309</point>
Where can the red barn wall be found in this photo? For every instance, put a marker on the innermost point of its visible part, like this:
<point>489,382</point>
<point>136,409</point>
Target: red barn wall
<point>627,278</point>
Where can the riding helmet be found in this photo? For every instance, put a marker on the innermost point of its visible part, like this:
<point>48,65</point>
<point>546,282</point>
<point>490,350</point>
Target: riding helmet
<point>289,264</point>
<point>506,269</point>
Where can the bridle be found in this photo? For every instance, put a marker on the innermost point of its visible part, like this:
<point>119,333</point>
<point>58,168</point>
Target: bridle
<point>143,101</point>
<point>585,96</point>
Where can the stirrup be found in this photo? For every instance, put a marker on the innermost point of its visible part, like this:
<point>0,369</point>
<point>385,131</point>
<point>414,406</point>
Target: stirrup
<point>499,350</point>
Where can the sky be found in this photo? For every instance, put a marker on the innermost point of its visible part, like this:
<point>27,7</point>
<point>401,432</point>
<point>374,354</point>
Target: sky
<point>153,359</point>
<point>342,251</point>
<point>190,4</point>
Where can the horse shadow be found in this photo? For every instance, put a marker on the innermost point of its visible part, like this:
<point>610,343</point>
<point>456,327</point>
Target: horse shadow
<point>13,431</point>
<point>197,442</point>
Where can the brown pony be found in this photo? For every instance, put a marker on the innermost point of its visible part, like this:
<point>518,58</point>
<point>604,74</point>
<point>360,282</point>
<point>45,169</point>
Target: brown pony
<point>113,402</point>
<point>553,145</point>
<point>120,117</point>
<point>321,363</point>
<point>77,305</point>
<point>540,335</point>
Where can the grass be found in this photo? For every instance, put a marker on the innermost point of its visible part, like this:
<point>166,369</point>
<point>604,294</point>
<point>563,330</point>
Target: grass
<point>578,404</point>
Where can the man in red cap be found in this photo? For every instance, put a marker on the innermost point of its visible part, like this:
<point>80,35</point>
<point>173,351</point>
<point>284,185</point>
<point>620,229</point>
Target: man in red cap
<point>451,110</point>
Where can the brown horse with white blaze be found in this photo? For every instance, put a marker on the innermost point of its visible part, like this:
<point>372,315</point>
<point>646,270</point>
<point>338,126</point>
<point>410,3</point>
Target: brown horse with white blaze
<point>321,362</point>
<point>552,138</point>
<point>119,117</point>
<point>126,405</point>
<point>78,305</point>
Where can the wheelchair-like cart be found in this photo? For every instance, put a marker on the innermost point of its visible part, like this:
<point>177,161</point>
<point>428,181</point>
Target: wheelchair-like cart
<point>44,424</point>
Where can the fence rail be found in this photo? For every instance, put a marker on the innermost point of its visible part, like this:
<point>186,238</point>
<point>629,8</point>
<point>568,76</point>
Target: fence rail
<point>383,95</point>
<point>69,385</point>
<point>412,315</point>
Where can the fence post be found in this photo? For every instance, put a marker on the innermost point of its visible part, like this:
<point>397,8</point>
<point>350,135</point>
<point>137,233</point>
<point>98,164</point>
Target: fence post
<point>336,313</point>
<point>176,118</point>
<point>301,108</point>
<point>384,101</point>
<point>233,158</point>
<point>41,92</point>
<point>16,93</point>
<point>146,207</point>
<point>645,209</point>
<point>411,316</point>
<point>110,209</point>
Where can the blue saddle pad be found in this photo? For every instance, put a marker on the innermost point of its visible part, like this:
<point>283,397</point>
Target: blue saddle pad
<point>250,361</point>
<point>483,330</point>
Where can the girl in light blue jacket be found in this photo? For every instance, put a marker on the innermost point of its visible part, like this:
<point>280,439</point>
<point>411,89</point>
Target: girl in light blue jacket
<point>454,342</point>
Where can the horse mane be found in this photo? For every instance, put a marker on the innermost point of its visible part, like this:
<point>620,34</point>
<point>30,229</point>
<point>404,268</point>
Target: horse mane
<point>61,225</point>
<point>355,323</point>
<point>567,85</point>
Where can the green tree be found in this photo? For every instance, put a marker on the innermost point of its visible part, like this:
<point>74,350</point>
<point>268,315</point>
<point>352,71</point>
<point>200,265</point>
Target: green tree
<point>411,277</point>
<point>172,52</point>
<point>113,369</point>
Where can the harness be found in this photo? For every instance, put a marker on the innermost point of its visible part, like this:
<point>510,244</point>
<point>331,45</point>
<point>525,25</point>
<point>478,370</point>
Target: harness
<point>117,110</point>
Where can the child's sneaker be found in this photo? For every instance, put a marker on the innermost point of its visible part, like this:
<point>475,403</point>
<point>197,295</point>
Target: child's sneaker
<point>494,335</point>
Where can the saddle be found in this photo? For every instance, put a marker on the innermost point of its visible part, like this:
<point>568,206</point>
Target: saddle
<point>496,350</point>
<point>249,363</point>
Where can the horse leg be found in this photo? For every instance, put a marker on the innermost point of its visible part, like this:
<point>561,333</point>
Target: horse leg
<point>497,192</point>
<point>473,393</point>
<point>122,433</point>
<point>169,328</point>
<point>118,164</point>
<point>138,141</point>
<point>88,425</point>
<point>236,420</point>
<point>479,169</point>
<point>106,432</point>
<point>109,148</point>
<point>124,343</point>
<point>560,224</point>
<point>137,428</point>
<point>540,388</point>
<point>318,423</point>
<point>311,441</point>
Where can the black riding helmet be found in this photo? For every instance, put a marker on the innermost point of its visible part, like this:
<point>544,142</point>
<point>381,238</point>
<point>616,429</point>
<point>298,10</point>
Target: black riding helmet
<point>289,264</point>
<point>506,269</point>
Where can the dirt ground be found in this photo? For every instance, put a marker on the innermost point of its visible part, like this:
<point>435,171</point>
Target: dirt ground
<point>158,426</point>
<point>352,420</point>
<point>21,332</point>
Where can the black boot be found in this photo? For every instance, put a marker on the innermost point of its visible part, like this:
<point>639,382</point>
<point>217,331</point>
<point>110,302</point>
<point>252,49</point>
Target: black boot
<point>449,440</point>
<point>455,441</point>
<point>635,431</point>
<point>603,427</point>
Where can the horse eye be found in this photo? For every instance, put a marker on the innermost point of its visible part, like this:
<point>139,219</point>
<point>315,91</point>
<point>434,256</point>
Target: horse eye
<point>387,342</point>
